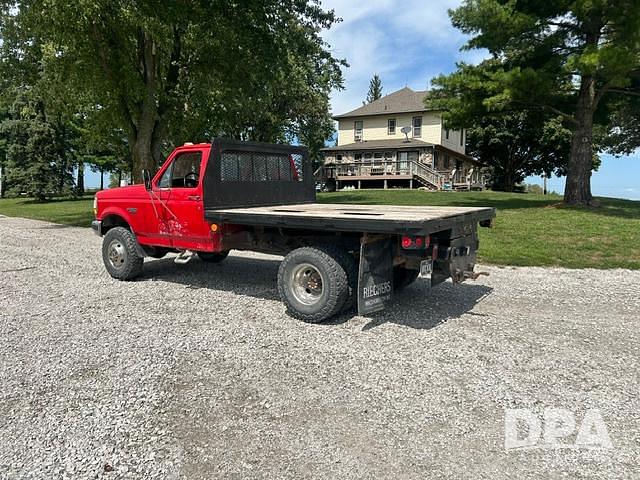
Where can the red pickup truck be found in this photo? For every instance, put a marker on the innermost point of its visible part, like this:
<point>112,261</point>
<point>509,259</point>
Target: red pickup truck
<point>208,199</point>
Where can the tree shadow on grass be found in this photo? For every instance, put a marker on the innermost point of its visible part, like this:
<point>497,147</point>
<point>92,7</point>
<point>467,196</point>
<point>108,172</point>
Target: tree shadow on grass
<point>416,306</point>
<point>457,200</point>
<point>612,207</point>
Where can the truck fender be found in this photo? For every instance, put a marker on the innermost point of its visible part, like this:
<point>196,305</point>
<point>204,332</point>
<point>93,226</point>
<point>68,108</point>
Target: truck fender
<point>120,218</point>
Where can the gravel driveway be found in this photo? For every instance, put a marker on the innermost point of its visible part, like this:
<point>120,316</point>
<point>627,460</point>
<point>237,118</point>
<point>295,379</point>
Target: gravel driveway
<point>195,371</point>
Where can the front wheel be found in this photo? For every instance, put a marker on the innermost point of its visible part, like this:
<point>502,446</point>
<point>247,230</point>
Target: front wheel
<point>313,284</point>
<point>120,255</point>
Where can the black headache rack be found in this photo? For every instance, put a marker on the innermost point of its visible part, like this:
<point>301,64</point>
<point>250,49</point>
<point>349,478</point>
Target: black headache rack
<point>246,174</point>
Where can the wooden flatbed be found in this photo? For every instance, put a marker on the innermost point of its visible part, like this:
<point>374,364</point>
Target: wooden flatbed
<point>350,217</point>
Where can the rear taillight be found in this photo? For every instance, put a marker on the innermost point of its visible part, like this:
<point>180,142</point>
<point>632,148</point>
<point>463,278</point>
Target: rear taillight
<point>411,242</point>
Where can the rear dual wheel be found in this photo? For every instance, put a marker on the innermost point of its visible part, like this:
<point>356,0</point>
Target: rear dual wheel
<point>316,283</point>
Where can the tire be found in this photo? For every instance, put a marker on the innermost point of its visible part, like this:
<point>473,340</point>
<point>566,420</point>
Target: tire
<point>313,284</point>
<point>120,254</point>
<point>351,267</point>
<point>211,257</point>
<point>403,277</point>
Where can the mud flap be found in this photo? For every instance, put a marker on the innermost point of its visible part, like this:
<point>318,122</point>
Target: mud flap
<point>375,278</point>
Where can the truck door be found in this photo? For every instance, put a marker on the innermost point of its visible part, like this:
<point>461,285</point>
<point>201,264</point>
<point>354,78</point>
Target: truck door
<point>185,215</point>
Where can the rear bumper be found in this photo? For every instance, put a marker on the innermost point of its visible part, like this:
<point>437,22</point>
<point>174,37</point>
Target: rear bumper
<point>96,225</point>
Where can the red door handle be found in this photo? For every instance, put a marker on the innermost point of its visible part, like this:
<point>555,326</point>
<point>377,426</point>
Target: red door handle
<point>195,198</point>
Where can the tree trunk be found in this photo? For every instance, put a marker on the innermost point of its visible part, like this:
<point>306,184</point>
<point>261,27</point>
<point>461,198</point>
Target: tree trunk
<point>80,181</point>
<point>142,154</point>
<point>101,178</point>
<point>1,183</point>
<point>578,186</point>
<point>509,183</point>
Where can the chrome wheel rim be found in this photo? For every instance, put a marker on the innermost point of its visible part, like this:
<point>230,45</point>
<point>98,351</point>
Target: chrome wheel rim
<point>306,284</point>
<point>116,254</point>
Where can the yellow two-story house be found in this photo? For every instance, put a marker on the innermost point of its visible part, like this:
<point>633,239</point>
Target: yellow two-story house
<point>397,142</point>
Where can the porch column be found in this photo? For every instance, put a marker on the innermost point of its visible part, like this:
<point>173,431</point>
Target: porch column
<point>385,184</point>
<point>411,184</point>
<point>359,184</point>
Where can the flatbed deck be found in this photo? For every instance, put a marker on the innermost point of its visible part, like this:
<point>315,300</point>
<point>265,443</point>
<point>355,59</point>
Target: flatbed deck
<point>351,218</point>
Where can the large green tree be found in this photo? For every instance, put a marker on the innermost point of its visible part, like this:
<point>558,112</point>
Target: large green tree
<point>171,71</point>
<point>572,58</point>
<point>36,155</point>
<point>518,145</point>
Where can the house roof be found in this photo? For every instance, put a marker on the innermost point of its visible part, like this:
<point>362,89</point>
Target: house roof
<point>402,101</point>
<point>378,144</point>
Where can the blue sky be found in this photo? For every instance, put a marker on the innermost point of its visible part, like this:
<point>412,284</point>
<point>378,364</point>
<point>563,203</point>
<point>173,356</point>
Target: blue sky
<point>410,42</point>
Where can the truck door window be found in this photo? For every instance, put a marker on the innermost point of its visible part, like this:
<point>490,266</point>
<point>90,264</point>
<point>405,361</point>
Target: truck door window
<point>185,170</point>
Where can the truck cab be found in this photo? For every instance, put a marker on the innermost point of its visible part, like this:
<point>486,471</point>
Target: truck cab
<point>168,213</point>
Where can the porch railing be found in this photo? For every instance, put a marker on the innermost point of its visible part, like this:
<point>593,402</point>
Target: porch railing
<point>386,167</point>
<point>427,174</point>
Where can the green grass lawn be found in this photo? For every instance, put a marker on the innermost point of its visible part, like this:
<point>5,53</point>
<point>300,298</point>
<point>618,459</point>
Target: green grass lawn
<point>529,230</point>
<point>534,229</point>
<point>66,211</point>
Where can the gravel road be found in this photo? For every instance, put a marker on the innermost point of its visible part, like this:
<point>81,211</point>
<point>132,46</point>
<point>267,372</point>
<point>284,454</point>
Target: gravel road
<point>195,371</point>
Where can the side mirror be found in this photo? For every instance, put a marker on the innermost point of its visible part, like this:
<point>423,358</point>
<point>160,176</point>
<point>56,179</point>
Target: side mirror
<point>146,178</point>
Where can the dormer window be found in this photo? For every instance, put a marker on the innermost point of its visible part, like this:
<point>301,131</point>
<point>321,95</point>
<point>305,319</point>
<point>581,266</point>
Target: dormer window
<point>391,126</point>
<point>417,127</point>
<point>357,130</point>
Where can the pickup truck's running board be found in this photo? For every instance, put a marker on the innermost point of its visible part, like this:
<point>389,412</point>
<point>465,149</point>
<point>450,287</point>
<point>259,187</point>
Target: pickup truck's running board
<point>184,257</point>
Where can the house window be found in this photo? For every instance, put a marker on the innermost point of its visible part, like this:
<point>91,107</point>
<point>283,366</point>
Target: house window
<point>435,159</point>
<point>446,133</point>
<point>368,157</point>
<point>391,126</point>
<point>357,157</point>
<point>417,126</point>
<point>461,136</point>
<point>339,158</point>
<point>446,161</point>
<point>357,131</point>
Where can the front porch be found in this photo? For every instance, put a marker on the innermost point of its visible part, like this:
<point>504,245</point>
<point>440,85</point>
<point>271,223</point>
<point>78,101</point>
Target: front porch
<point>401,172</point>
<point>400,165</point>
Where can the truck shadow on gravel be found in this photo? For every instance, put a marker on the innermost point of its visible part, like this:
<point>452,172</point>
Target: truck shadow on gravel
<point>416,306</point>
<point>420,307</point>
<point>255,277</point>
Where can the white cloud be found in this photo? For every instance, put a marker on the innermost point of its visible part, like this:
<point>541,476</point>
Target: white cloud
<point>406,43</point>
